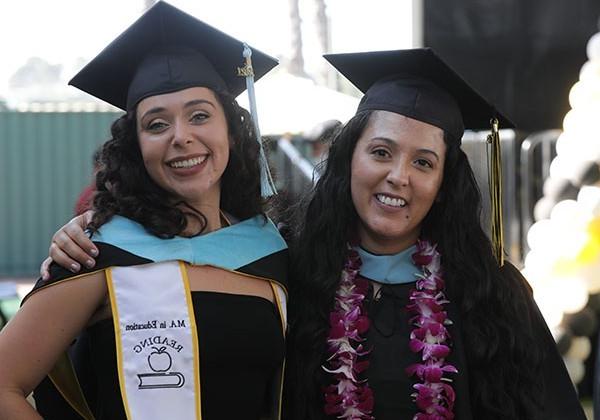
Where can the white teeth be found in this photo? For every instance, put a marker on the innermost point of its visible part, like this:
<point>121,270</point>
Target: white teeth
<point>188,163</point>
<point>394,202</point>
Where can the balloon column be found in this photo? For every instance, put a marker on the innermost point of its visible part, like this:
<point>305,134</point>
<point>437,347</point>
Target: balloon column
<point>563,264</point>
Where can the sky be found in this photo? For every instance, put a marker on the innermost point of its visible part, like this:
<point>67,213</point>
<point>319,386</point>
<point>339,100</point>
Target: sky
<point>61,31</point>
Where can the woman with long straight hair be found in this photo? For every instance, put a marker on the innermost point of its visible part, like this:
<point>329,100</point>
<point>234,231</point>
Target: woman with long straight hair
<point>400,307</point>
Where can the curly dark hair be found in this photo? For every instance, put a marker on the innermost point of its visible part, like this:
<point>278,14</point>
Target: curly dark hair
<point>503,354</point>
<point>125,188</point>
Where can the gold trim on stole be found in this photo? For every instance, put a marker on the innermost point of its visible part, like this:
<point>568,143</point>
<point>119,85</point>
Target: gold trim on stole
<point>195,340</point>
<point>115,314</point>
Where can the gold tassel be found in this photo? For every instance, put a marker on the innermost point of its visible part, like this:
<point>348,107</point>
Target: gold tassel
<point>495,186</point>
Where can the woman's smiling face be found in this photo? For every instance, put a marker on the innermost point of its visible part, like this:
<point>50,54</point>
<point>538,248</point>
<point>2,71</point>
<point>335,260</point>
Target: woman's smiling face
<point>184,142</point>
<point>396,173</point>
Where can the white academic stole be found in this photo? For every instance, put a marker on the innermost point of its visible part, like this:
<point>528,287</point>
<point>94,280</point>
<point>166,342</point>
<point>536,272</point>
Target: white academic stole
<point>156,340</point>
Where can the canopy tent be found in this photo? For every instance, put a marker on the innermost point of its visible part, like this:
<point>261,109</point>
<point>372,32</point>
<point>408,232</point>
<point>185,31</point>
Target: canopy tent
<point>292,104</point>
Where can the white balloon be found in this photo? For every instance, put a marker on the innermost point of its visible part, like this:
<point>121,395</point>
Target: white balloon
<point>559,167</point>
<point>589,273</point>
<point>553,186</point>
<point>556,296</point>
<point>539,234</point>
<point>575,368</point>
<point>580,349</point>
<point>562,143</point>
<point>569,241</point>
<point>590,71</point>
<point>588,198</point>
<point>574,294</point>
<point>543,208</point>
<point>593,47</point>
<point>581,121</point>
<point>570,120</point>
<point>581,215</point>
<point>564,211</point>
<point>576,94</point>
<point>552,315</point>
<point>547,295</point>
<point>579,145</point>
<point>538,266</point>
<point>570,218</point>
<point>530,276</point>
<point>580,168</point>
<point>585,94</point>
<point>571,165</point>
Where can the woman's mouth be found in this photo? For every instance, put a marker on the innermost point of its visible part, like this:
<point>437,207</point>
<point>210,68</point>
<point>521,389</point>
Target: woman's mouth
<point>188,163</point>
<point>390,201</point>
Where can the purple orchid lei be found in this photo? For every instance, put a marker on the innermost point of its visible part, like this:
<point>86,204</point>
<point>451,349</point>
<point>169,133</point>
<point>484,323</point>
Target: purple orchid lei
<point>350,397</point>
<point>434,395</point>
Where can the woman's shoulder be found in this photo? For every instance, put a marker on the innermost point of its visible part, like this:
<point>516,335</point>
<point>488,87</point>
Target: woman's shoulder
<point>70,286</point>
<point>512,274</point>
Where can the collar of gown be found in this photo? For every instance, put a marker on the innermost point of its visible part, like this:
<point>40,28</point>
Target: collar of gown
<point>389,269</point>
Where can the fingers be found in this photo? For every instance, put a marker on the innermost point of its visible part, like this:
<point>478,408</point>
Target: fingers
<point>63,259</point>
<point>85,219</point>
<point>71,247</point>
<point>74,231</point>
<point>44,268</point>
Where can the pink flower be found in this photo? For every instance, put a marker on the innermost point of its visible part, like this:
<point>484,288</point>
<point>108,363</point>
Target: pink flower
<point>430,371</point>
<point>426,254</point>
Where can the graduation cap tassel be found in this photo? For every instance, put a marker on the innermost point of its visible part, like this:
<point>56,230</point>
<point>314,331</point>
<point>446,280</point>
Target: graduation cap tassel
<point>267,186</point>
<point>495,186</point>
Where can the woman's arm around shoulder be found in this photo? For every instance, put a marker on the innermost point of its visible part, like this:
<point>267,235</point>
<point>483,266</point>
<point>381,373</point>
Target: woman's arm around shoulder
<point>41,330</point>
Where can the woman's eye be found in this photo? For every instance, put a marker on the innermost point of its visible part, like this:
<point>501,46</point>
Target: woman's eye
<point>381,153</point>
<point>199,117</point>
<point>156,126</point>
<point>424,162</point>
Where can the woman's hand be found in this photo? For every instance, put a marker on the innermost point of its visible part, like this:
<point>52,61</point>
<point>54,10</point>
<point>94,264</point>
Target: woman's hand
<point>71,247</point>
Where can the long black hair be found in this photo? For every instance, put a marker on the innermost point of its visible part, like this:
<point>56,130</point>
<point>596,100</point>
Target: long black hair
<point>495,304</point>
<point>125,188</point>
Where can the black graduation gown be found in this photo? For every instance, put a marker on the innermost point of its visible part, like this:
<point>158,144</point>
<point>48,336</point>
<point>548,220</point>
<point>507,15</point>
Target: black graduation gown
<point>389,335</point>
<point>90,370</point>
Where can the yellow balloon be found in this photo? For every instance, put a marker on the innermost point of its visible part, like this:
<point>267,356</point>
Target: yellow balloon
<point>563,267</point>
<point>591,250</point>
<point>594,228</point>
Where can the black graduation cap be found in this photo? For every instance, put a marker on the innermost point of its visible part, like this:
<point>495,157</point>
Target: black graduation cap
<point>167,50</point>
<point>418,84</point>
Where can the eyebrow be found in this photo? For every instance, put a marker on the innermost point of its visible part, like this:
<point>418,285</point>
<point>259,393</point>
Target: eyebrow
<point>428,151</point>
<point>392,143</point>
<point>188,104</point>
<point>198,102</point>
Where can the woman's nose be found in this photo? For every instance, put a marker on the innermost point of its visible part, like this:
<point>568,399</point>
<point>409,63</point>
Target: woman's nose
<point>399,175</point>
<point>181,133</point>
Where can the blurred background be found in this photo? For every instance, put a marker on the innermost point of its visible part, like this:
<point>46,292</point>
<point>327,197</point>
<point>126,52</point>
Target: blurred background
<point>538,61</point>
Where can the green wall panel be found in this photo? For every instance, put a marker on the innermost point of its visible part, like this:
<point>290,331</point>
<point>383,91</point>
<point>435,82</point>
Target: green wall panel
<point>45,162</point>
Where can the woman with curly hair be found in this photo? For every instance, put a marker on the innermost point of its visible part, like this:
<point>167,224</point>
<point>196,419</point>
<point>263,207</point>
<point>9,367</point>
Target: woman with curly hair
<point>399,307</point>
<point>183,315</point>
